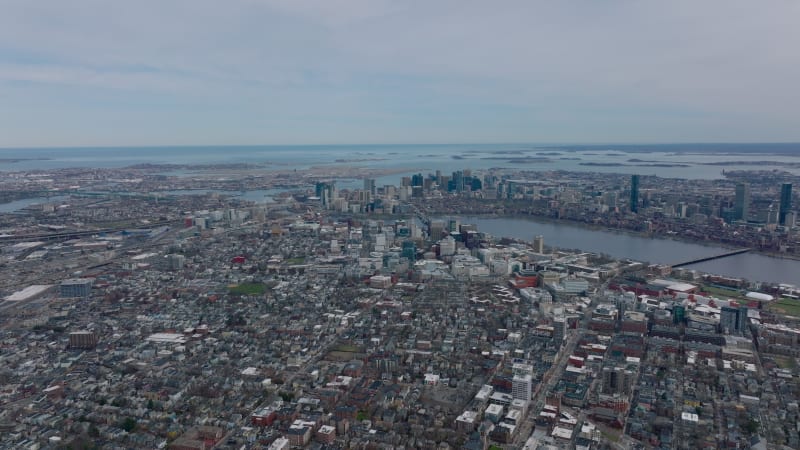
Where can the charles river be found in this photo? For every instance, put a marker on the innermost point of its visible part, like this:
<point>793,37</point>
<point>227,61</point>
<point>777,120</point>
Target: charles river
<point>751,266</point>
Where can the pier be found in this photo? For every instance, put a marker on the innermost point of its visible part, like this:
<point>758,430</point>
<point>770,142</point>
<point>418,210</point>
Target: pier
<point>709,258</point>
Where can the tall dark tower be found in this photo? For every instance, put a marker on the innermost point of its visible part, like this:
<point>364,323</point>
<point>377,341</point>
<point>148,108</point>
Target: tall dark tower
<point>786,202</point>
<point>741,203</point>
<point>635,193</point>
<point>458,181</point>
<point>369,186</point>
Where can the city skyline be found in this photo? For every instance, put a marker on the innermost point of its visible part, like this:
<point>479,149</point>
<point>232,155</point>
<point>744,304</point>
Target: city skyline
<point>380,72</point>
<point>283,305</point>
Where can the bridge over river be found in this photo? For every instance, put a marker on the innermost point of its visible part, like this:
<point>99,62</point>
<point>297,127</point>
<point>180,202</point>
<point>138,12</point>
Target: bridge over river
<point>709,258</point>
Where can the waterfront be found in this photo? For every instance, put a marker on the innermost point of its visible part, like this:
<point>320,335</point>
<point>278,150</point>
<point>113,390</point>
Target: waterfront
<point>621,244</point>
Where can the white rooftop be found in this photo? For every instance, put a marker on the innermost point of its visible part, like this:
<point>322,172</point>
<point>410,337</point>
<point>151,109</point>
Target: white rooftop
<point>29,292</point>
<point>167,338</point>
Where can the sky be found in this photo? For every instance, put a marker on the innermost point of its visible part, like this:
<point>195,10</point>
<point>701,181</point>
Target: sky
<point>203,72</point>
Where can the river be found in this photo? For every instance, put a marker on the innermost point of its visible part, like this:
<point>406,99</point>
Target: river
<point>19,205</point>
<point>751,266</point>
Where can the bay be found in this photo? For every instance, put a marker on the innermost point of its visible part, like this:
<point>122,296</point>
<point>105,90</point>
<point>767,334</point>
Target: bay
<point>688,161</point>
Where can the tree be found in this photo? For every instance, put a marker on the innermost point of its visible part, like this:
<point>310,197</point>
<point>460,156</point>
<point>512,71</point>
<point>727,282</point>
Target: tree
<point>751,426</point>
<point>129,424</point>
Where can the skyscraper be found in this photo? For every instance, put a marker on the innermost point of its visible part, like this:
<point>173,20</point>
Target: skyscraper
<point>409,251</point>
<point>729,319</point>
<point>458,181</point>
<point>326,191</point>
<point>743,321</point>
<point>733,320</point>
<point>786,202</point>
<point>538,244</point>
<point>791,219</point>
<point>634,193</point>
<point>436,229</point>
<point>741,204</point>
<point>369,186</point>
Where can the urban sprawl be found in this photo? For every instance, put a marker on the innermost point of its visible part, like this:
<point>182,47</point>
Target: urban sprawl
<point>144,309</point>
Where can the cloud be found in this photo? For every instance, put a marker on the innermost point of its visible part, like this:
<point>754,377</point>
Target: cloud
<point>529,70</point>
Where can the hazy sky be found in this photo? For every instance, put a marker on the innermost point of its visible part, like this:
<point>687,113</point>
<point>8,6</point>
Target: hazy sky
<point>140,72</point>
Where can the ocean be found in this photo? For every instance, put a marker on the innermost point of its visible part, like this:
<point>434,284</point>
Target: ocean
<point>689,161</point>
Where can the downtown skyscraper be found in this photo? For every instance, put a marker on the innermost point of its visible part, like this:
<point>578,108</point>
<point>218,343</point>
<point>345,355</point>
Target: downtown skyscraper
<point>786,202</point>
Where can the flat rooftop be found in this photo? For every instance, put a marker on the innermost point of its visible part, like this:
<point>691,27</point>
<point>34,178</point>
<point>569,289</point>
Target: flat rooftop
<point>29,292</point>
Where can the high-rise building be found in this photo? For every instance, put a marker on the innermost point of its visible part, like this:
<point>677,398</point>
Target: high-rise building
<point>447,246</point>
<point>634,193</point>
<point>786,202</point>
<point>682,209</point>
<point>773,216</point>
<point>444,182</point>
<point>326,191</point>
<point>611,199</point>
<point>617,380</point>
<point>743,319</point>
<point>522,381</point>
<point>458,181</point>
<point>559,329</point>
<point>538,244</point>
<point>729,319</point>
<point>733,320</point>
<point>76,288</point>
<point>678,314</point>
<point>741,204</point>
<point>413,230</point>
<point>436,229</point>
<point>369,186</point>
<point>409,251</point>
<point>791,219</point>
<point>511,189</point>
<point>454,226</point>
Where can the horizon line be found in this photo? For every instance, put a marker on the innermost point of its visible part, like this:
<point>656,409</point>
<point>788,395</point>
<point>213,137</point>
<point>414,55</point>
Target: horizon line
<point>555,144</point>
